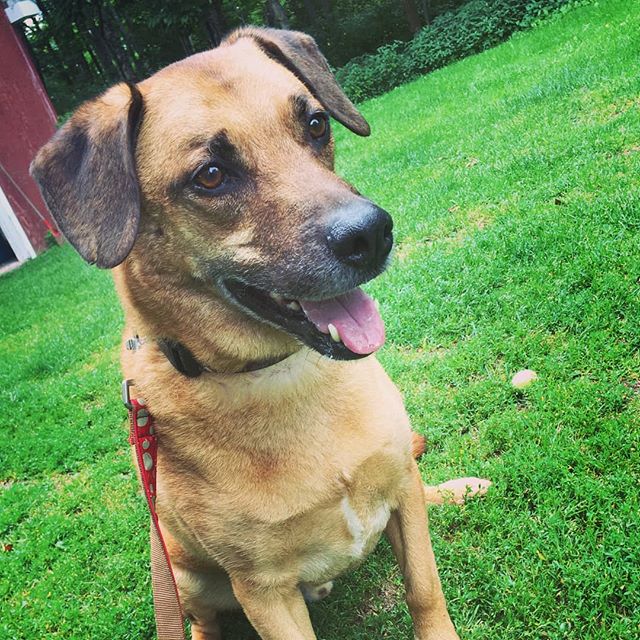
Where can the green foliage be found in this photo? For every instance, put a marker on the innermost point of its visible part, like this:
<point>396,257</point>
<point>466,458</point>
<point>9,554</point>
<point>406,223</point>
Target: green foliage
<point>472,28</point>
<point>512,178</point>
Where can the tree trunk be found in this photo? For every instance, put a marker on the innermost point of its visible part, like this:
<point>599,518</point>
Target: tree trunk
<point>186,43</point>
<point>427,11</point>
<point>113,42</point>
<point>88,26</point>
<point>412,15</point>
<point>275,15</point>
<point>311,10</point>
<point>104,55</point>
<point>128,40</point>
<point>215,22</point>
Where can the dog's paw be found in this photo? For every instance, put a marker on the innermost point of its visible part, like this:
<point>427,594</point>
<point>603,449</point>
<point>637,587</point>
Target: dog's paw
<point>456,491</point>
<point>316,592</point>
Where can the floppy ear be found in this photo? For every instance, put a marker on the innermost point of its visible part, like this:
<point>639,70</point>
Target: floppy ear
<point>299,53</point>
<point>87,176</point>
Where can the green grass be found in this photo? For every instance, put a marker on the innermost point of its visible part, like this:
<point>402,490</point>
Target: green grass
<point>513,180</point>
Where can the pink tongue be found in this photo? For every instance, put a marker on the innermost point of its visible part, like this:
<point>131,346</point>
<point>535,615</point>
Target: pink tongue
<point>354,315</point>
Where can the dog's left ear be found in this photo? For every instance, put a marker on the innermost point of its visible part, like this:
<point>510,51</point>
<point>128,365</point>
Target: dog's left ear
<point>299,53</point>
<point>88,179</point>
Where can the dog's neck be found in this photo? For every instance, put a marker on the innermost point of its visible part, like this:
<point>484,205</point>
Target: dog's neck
<point>185,363</point>
<point>215,338</point>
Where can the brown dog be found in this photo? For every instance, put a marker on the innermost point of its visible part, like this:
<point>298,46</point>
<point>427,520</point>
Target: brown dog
<point>237,253</point>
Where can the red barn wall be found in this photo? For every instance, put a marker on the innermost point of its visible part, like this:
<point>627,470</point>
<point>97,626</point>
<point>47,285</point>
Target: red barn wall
<point>27,121</point>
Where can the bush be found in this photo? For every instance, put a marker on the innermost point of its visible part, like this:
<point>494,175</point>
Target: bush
<point>474,27</point>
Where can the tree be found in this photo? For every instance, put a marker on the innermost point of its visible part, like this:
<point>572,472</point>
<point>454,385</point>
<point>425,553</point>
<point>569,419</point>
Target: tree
<point>275,15</point>
<point>413,17</point>
<point>84,46</point>
<point>215,22</point>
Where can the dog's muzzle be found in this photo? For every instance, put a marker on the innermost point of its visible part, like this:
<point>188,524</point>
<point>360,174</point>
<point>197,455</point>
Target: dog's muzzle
<point>337,319</point>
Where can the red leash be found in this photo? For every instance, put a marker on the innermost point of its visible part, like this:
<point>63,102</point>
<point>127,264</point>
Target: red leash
<point>166,601</point>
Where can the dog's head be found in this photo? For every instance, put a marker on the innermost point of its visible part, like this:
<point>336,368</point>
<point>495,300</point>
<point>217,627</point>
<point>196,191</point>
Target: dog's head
<point>218,171</point>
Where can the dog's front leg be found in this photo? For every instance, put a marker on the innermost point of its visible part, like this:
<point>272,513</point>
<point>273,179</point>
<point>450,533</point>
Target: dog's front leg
<point>276,613</point>
<point>408,532</point>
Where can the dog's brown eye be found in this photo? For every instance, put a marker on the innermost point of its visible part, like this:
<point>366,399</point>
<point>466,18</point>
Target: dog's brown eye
<point>318,125</point>
<point>209,177</point>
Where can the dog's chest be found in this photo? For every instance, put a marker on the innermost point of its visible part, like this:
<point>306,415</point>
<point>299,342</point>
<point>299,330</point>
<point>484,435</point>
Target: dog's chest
<point>311,498</point>
<point>337,534</point>
<point>322,525</point>
<point>354,534</point>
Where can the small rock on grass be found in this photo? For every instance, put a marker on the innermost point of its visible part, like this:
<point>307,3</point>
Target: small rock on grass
<point>523,378</point>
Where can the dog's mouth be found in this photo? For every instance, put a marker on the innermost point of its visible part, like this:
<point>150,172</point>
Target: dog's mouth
<point>344,327</point>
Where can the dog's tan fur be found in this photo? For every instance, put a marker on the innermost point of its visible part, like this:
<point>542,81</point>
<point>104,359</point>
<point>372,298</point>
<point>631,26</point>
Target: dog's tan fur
<point>269,481</point>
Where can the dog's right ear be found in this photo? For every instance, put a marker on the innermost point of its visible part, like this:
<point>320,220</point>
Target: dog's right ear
<point>87,176</point>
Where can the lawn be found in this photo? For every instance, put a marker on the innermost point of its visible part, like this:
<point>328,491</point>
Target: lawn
<point>513,180</point>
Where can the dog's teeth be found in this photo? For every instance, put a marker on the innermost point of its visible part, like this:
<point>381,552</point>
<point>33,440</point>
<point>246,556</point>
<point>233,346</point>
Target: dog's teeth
<point>277,297</point>
<point>333,331</point>
<point>293,305</point>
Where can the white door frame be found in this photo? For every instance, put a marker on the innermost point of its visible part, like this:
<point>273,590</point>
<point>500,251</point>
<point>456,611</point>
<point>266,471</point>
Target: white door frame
<point>13,232</point>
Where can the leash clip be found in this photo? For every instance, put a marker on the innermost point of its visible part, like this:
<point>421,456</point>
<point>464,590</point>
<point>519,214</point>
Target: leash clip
<point>133,344</point>
<point>126,396</point>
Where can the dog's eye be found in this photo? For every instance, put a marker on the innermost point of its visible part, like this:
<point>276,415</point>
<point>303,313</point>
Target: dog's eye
<point>318,125</point>
<point>209,177</point>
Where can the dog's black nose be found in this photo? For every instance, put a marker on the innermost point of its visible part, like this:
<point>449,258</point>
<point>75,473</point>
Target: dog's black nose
<point>360,235</point>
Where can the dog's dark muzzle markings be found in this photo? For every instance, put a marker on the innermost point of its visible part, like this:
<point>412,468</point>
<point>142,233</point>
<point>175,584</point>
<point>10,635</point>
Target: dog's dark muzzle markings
<point>343,324</point>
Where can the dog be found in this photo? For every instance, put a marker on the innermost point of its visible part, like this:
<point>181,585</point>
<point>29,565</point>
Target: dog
<point>284,449</point>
